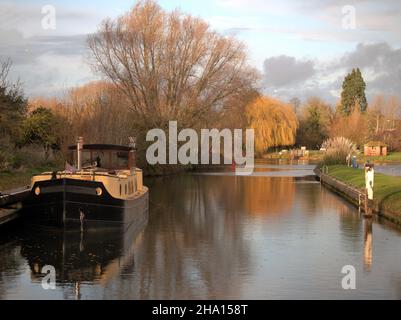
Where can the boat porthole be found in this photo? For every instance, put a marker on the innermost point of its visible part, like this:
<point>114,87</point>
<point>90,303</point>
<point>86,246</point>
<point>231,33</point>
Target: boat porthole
<point>99,191</point>
<point>37,191</point>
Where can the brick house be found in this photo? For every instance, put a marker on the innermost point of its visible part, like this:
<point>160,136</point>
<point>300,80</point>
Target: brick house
<point>375,148</point>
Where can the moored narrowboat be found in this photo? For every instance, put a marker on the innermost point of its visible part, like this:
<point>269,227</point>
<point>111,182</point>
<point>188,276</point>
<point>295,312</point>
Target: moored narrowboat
<point>104,189</point>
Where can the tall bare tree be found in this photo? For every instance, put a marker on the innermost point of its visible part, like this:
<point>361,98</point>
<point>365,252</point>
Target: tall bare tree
<point>171,66</point>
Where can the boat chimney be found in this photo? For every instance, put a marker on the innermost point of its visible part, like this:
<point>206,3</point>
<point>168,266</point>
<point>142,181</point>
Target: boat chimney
<point>80,144</point>
<point>131,154</point>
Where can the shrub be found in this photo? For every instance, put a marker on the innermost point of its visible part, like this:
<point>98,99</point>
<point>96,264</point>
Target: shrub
<point>6,154</point>
<point>337,150</point>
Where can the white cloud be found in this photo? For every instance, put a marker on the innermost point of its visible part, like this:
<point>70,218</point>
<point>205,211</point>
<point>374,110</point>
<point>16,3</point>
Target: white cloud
<point>380,65</point>
<point>46,62</point>
<point>284,70</point>
<point>46,65</point>
<point>27,19</point>
<point>375,20</point>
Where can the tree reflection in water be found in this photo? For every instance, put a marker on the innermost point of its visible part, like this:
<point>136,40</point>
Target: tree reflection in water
<point>89,257</point>
<point>11,261</point>
<point>368,245</point>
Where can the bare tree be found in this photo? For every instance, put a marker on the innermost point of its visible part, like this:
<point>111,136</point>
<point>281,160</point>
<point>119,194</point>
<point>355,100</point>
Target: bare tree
<point>12,89</point>
<point>376,111</point>
<point>384,112</point>
<point>12,101</point>
<point>4,70</point>
<point>169,65</point>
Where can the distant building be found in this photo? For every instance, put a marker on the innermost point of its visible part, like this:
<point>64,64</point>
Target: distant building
<point>375,148</point>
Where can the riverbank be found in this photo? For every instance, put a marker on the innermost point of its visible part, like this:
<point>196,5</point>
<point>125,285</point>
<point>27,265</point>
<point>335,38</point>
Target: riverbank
<point>312,156</point>
<point>21,177</point>
<point>349,182</point>
<point>316,156</point>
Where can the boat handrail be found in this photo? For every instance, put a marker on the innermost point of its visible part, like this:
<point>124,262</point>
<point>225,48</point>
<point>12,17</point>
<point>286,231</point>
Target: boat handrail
<point>117,174</point>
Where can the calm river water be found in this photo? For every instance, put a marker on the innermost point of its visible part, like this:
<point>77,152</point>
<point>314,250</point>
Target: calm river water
<point>274,235</point>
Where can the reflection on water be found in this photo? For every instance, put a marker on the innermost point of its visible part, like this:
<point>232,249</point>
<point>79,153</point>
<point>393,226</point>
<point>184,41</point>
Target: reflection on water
<point>89,257</point>
<point>218,237</point>
<point>76,256</point>
<point>368,243</point>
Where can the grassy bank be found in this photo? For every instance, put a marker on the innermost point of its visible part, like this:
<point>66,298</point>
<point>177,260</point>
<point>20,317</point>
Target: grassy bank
<point>21,177</point>
<point>313,155</point>
<point>317,156</point>
<point>387,189</point>
<point>393,157</point>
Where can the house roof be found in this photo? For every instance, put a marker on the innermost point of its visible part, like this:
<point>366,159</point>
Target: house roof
<point>375,144</point>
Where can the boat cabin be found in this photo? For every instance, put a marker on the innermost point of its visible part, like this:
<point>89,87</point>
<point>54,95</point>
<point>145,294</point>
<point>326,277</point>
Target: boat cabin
<point>102,157</point>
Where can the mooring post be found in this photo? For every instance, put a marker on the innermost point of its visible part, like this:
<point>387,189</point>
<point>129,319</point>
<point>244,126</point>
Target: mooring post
<point>369,182</point>
<point>81,218</point>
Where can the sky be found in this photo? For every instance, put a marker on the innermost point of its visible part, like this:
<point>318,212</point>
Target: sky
<point>301,48</point>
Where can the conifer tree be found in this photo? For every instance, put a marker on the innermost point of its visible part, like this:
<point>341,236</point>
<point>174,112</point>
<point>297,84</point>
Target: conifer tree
<point>353,93</point>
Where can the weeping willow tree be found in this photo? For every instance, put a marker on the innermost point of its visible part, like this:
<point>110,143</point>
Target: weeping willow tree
<point>274,122</point>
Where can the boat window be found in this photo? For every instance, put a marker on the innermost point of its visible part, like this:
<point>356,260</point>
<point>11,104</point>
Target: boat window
<point>120,159</point>
<point>120,189</point>
<point>101,158</point>
<point>125,189</point>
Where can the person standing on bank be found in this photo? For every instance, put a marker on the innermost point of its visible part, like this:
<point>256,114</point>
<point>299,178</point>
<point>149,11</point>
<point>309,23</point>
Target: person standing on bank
<point>354,163</point>
<point>369,182</point>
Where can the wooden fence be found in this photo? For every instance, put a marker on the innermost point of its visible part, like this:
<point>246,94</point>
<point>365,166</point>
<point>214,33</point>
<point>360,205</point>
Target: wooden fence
<point>354,195</point>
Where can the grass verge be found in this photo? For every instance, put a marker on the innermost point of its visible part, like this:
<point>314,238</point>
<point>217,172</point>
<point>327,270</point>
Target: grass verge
<point>317,156</point>
<point>18,178</point>
<point>387,189</point>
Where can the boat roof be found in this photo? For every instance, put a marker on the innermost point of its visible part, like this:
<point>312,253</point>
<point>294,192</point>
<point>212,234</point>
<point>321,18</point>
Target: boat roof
<point>102,147</point>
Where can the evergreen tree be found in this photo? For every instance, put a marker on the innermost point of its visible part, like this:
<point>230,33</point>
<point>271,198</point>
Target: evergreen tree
<point>353,93</point>
<point>314,123</point>
<point>41,127</point>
